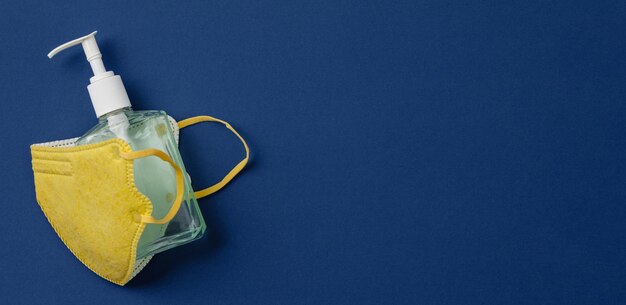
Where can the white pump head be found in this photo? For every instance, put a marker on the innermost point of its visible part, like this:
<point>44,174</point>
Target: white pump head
<point>106,90</point>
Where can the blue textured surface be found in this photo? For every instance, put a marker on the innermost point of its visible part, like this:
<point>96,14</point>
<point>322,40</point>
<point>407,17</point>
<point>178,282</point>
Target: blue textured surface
<point>405,152</point>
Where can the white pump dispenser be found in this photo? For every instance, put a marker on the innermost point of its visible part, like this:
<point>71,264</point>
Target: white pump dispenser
<point>106,90</point>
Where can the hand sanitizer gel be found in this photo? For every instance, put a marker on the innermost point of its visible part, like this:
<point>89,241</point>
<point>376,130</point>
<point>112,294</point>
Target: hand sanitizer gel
<point>142,130</point>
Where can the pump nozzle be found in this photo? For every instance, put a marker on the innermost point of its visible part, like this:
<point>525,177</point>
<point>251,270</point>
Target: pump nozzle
<point>92,52</point>
<point>106,90</point>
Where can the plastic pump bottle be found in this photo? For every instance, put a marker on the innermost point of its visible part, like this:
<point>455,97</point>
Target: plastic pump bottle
<point>142,130</point>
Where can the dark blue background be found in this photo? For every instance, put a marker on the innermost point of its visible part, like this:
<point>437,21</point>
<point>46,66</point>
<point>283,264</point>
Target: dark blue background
<point>404,152</point>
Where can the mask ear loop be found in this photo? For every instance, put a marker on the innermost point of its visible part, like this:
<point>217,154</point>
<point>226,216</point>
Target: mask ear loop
<point>180,186</point>
<point>233,172</point>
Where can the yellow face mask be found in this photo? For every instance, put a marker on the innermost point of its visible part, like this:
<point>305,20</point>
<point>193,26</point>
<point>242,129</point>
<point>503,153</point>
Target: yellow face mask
<point>102,225</point>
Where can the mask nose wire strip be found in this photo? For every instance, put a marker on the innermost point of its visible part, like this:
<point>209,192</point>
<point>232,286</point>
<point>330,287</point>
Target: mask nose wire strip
<point>233,172</point>
<point>179,182</point>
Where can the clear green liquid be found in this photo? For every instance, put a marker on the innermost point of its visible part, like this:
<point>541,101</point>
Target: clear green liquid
<point>153,177</point>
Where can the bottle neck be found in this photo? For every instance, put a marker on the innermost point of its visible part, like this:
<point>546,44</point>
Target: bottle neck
<point>107,115</point>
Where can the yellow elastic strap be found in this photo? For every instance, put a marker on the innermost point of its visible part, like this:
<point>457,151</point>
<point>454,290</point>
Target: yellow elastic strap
<point>180,186</point>
<point>233,172</point>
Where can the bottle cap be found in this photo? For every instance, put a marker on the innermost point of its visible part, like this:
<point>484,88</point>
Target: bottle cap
<point>106,89</point>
